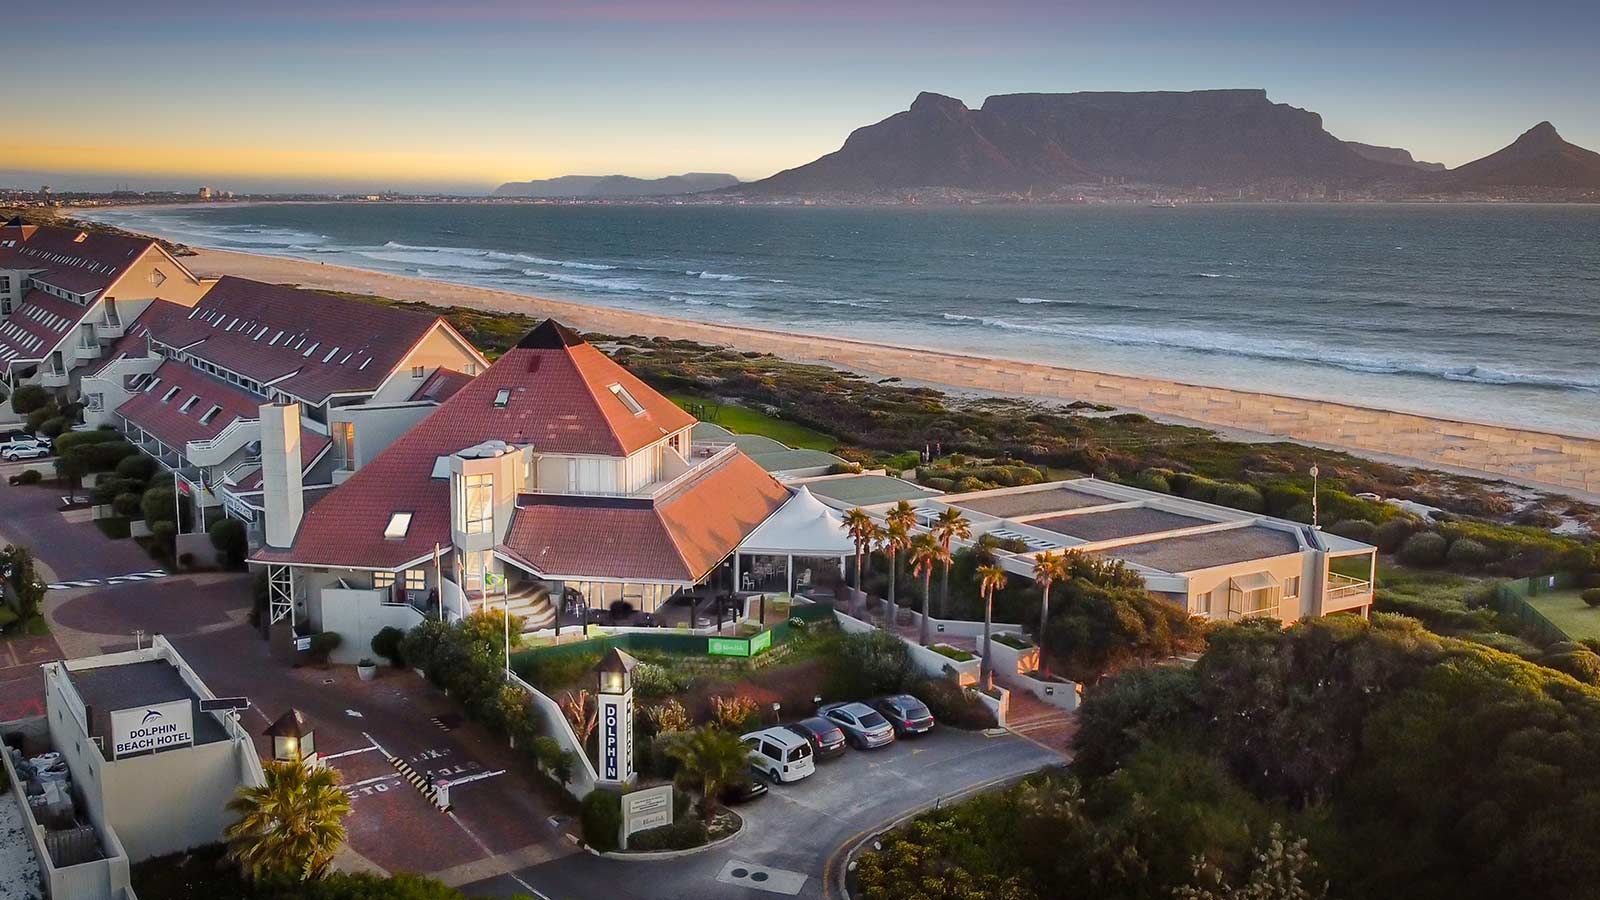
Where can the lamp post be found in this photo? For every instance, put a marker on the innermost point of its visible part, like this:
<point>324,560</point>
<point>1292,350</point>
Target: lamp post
<point>614,708</point>
<point>1314,511</point>
<point>293,740</point>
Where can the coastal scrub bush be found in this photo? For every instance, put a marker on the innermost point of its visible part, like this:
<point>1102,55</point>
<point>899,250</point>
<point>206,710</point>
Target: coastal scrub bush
<point>601,817</point>
<point>1355,529</point>
<point>232,544</point>
<point>1424,548</point>
<point>54,426</point>
<point>164,538</point>
<point>1152,480</point>
<point>1281,497</point>
<point>30,476</point>
<point>127,505</point>
<point>386,643</point>
<point>28,399</point>
<point>159,504</point>
<point>1467,553</point>
<point>1391,535</point>
<point>875,662</point>
<point>108,489</point>
<point>137,468</point>
<point>651,680</point>
<point>1591,596</point>
<point>953,704</point>
<point>680,835</point>
<point>1240,496</point>
<point>38,417</point>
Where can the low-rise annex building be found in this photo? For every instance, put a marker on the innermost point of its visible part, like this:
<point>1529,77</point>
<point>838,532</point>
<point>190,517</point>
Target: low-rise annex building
<point>67,294</point>
<point>186,384</point>
<point>554,474</point>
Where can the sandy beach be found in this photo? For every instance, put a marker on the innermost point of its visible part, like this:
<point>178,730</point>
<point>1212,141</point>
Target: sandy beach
<point>1563,463</point>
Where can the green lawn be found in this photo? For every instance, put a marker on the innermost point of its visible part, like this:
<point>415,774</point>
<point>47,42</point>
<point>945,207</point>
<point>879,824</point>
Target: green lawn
<point>1569,613</point>
<point>743,420</point>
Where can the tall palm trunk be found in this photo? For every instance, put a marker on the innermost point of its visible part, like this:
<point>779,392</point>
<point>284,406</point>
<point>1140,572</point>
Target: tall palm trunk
<point>944,591</point>
<point>927,591</point>
<point>888,620</point>
<point>1044,617</point>
<point>986,669</point>
<point>856,598</point>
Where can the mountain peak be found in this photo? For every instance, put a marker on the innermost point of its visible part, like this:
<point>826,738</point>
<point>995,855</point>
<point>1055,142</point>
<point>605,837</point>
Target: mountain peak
<point>1542,133</point>
<point>928,101</point>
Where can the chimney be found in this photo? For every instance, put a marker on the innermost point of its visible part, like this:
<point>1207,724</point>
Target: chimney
<point>283,498</point>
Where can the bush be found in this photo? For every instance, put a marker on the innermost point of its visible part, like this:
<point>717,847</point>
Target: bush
<point>1281,498</point>
<point>1356,530</point>
<point>680,835</point>
<point>165,537</point>
<point>386,643</point>
<point>1425,548</point>
<point>954,705</point>
<point>1468,553</point>
<point>950,652</point>
<point>323,643</point>
<point>53,427</point>
<point>1591,596</point>
<point>159,505</point>
<point>601,817</point>
<point>38,417</point>
<point>1195,487</point>
<point>228,536</point>
<point>115,527</point>
<point>1392,535</point>
<point>106,490</point>
<point>28,399</point>
<point>8,617</point>
<point>1152,480</point>
<point>137,468</point>
<point>871,663</point>
<point>652,681</point>
<point>31,476</point>
<point>1240,496</point>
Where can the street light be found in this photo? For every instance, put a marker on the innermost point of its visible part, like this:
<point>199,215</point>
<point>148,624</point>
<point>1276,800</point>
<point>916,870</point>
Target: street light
<point>293,740</point>
<point>1314,511</point>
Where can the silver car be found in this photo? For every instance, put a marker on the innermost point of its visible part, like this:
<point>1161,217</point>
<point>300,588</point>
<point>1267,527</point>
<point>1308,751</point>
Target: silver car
<point>863,726</point>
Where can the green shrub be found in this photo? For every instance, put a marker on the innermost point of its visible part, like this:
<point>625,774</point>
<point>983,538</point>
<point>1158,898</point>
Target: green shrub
<point>137,468</point>
<point>1424,548</point>
<point>53,427</point>
<point>28,399</point>
<point>386,643</point>
<point>1281,498</point>
<point>651,681</point>
<point>954,705</point>
<point>228,537</point>
<point>8,617</point>
<point>30,476</point>
<point>950,652</point>
<point>128,506</point>
<point>601,818</point>
<point>165,538</point>
<point>107,489</point>
<point>871,663</point>
<point>1356,530</point>
<point>323,643</point>
<point>1467,553</point>
<point>114,527</point>
<point>159,505</point>
<point>551,671</point>
<point>680,835</point>
<point>1392,535</point>
<point>1240,496</point>
<point>38,417</point>
<point>1591,596</point>
<point>1196,487</point>
<point>1150,481</point>
<point>76,439</point>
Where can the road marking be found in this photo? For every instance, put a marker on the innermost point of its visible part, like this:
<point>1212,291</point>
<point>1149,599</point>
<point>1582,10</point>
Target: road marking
<point>490,854</point>
<point>375,780</point>
<point>366,749</point>
<point>114,579</point>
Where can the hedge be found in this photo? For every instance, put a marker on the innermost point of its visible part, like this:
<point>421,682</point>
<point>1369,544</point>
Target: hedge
<point>601,818</point>
<point>29,398</point>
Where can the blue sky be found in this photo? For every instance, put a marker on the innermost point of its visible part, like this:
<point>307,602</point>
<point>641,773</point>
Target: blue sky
<point>461,96</point>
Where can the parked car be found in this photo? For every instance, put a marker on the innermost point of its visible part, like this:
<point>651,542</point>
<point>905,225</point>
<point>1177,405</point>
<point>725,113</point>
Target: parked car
<point>24,448</point>
<point>826,738</point>
<point>780,754</point>
<point>905,713</point>
<point>863,726</point>
<point>743,791</point>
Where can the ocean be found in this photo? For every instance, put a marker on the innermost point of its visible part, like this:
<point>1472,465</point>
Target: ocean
<point>1478,312</point>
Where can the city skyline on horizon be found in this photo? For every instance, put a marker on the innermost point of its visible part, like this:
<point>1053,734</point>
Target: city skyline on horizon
<point>316,97</point>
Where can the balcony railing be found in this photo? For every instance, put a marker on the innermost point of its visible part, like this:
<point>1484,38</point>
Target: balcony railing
<point>1341,586</point>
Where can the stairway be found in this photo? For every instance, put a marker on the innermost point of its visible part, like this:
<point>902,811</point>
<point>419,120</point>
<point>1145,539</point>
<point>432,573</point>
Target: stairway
<point>531,603</point>
<point>1038,721</point>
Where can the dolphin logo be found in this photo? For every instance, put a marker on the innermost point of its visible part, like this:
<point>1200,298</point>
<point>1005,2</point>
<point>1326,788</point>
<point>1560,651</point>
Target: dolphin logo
<point>150,714</point>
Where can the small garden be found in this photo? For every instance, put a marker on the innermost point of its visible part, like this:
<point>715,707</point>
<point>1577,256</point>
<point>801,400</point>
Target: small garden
<point>20,613</point>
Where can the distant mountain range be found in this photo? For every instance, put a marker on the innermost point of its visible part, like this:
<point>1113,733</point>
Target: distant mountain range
<point>599,187</point>
<point>1218,140</point>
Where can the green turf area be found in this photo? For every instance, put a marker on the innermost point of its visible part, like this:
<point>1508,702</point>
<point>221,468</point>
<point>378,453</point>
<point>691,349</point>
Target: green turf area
<point>743,420</point>
<point>1569,613</point>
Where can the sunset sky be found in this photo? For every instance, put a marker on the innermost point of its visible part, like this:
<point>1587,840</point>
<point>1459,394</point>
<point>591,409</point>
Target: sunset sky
<point>461,96</point>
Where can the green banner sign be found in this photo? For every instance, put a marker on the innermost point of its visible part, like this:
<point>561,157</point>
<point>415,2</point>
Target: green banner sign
<point>761,643</point>
<point>728,646</point>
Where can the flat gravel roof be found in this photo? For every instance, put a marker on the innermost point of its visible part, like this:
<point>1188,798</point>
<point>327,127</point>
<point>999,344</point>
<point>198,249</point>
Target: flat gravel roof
<point>867,490</point>
<point>1027,503</point>
<point>1205,551</point>
<point>109,688</point>
<point>1117,523</point>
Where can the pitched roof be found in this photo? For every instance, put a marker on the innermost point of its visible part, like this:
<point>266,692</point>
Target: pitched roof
<point>167,419</point>
<point>551,403</point>
<point>307,343</point>
<point>679,538</point>
<point>70,258</point>
<point>36,326</point>
<point>441,385</point>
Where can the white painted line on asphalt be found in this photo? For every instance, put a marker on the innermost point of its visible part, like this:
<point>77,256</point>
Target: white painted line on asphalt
<point>373,780</point>
<point>489,854</point>
<point>376,746</point>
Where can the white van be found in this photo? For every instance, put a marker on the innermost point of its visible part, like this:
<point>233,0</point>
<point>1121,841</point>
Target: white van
<point>780,754</point>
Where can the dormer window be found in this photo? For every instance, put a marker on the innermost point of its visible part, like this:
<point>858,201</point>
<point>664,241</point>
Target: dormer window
<point>171,392</point>
<point>210,414</point>
<point>152,385</point>
<point>189,403</point>
<point>399,524</point>
<point>502,398</point>
<point>627,399</point>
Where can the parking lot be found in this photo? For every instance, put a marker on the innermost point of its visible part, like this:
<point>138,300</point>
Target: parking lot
<point>793,834</point>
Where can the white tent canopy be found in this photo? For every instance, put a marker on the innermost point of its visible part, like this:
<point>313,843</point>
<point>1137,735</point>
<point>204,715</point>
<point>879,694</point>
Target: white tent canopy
<point>802,526</point>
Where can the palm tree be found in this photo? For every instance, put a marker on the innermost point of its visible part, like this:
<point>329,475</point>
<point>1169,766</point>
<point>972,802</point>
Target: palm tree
<point>952,525</point>
<point>991,578</point>
<point>1048,568</point>
<point>289,826</point>
<point>895,539</point>
<point>709,759</point>
<point>924,554</point>
<point>864,532</point>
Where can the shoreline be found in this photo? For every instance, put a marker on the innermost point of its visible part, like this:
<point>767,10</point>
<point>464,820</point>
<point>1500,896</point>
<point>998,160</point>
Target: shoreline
<point>1563,463</point>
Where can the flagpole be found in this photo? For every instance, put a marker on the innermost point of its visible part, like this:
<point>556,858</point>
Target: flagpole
<point>438,579</point>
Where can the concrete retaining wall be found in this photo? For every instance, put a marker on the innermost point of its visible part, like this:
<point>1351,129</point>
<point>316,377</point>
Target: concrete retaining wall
<point>1056,693</point>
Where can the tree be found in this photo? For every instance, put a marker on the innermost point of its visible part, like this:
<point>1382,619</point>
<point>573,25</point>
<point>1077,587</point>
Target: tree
<point>580,712</point>
<point>991,578</point>
<point>290,826</point>
<point>952,525</point>
<point>1048,568</point>
<point>925,553</point>
<point>708,759</point>
<point>901,520</point>
<point>895,539</point>
<point>1284,870</point>
<point>864,532</point>
<point>29,398</point>
<point>229,539</point>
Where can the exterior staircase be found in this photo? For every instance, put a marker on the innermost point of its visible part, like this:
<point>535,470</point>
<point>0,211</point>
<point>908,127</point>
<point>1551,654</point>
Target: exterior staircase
<point>1038,721</point>
<point>531,602</point>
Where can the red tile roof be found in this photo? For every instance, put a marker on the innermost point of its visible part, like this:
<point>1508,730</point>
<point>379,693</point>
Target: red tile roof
<point>441,385</point>
<point>36,325</point>
<point>316,343</point>
<point>558,400</point>
<point>176,428</point>
<point>78,261</point>
<point>678,538</point>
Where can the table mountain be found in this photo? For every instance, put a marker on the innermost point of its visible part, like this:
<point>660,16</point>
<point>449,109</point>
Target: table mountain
<point>1540,158</point>
<point>612,186</point>
<point>1394,155</point>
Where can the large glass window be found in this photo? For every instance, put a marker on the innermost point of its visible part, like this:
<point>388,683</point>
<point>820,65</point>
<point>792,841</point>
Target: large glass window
<point>344,444</point>
<point>477,504</point>
<point>416,579</point>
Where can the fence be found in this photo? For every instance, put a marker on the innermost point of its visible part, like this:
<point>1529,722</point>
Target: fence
<point>1510,598</point>
<point>682,643</point>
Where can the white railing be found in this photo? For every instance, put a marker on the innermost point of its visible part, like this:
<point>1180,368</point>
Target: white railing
<point>214,450</point>
<point>700,465</point>
<point>1341,586</point>
<point>232,475</point>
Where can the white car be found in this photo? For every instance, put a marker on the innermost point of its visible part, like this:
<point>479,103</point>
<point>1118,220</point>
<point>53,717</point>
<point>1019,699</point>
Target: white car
<point>24,448</point>
<point>780,754</point>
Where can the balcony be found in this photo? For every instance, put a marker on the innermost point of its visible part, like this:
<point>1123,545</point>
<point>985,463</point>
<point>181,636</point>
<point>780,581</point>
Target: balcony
<point>216,451</point>
<point>110,329</point>
<point>1345,592</point>
<point>86,351</point>
<point>54,379</point>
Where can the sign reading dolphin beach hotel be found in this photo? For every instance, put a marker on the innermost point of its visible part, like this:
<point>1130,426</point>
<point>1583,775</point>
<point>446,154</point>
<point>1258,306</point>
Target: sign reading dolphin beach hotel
<point>142,729</point>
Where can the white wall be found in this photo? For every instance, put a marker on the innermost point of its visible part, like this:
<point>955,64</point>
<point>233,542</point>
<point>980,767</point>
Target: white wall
<point>357,615</point>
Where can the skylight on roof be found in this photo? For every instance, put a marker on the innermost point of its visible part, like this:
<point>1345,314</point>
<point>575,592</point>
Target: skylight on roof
<point>152,385</point>
<point>502,398</point>
<point>399,524</point>
<point>627,399</point>
<point>311,349</point>
<point>210,414</point>
<point>172,392</point>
